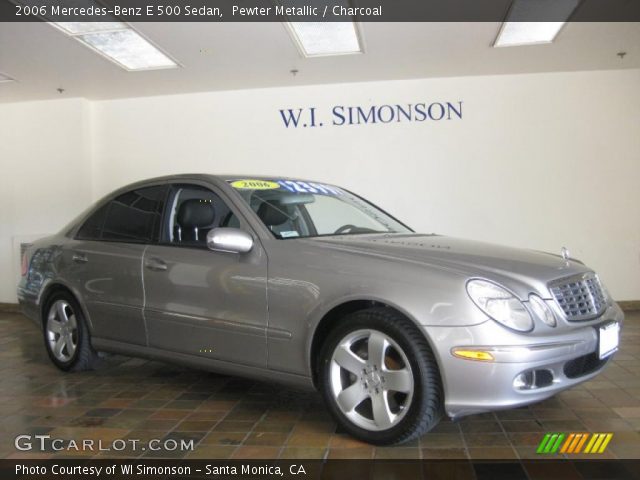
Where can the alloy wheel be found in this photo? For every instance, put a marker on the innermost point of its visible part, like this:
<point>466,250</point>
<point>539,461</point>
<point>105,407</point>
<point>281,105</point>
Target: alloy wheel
<point>371,379</point>
<point>62,331</point>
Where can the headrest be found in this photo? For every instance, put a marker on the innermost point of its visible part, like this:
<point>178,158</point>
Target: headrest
<point>273,214</point>
<point>195,213</point>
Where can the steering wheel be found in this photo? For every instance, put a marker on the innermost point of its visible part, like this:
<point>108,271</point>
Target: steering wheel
<point>344,229</point>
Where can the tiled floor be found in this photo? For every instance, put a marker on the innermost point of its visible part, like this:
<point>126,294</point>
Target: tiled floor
<point>236,418</point>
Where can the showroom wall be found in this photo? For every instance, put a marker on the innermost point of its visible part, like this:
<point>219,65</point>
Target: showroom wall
<point>46,175</point>
<point>538,161</point>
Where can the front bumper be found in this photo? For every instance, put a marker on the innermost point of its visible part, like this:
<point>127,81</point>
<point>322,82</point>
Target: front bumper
<point>563,357</point>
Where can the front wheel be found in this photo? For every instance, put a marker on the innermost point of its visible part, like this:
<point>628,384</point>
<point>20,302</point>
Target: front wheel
<point>380,379</point>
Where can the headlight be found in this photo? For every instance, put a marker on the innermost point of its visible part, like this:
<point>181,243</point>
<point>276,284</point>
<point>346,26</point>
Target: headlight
<point>500,304</point>
<point>605,292</point>
<point>542,310</point>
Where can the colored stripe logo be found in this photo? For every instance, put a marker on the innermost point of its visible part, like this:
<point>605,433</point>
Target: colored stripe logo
<point>574,443</point>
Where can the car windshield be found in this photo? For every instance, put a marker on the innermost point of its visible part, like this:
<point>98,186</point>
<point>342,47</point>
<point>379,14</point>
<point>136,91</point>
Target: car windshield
<point>296,209</point>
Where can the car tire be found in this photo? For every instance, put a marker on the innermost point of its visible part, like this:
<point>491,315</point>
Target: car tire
<point>66,336</point>
<point>379,377</point>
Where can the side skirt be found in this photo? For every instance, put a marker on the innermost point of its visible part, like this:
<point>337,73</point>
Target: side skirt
<point>218,366</point>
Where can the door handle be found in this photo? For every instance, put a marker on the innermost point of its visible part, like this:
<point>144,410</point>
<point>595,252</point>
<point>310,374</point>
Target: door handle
<point>155,264</point>
<point>79,258</point>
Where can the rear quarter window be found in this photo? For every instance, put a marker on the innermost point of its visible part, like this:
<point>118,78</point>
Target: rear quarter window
<point>92,227</point>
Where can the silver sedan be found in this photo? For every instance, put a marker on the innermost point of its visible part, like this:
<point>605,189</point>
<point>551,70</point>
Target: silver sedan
<point>308,284</point>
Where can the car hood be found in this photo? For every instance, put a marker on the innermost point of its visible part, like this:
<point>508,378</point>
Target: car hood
<point>518,269</point>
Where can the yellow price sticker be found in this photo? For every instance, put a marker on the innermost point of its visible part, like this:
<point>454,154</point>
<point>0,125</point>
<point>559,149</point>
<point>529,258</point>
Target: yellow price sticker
<point>255,185</point>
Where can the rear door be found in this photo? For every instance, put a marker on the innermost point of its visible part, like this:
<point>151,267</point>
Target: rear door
<point>200,302</point>
<point>105,262</point>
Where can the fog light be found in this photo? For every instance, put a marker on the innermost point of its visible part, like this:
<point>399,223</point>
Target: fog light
<point>479,355</point>
<point>525,380</point>
<point>532,379</point>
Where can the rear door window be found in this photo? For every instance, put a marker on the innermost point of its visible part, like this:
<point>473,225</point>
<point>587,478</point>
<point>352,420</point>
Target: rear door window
<point>133,217</point>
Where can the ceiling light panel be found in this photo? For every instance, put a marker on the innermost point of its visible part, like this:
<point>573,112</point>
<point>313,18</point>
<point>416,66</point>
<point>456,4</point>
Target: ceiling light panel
<point>112,39</point>
<point>5,78</point>
<point>514,34</point>
<point>74,28</point>
<point>317,39</point>
<point>128,49</point>
<point>524,25</point>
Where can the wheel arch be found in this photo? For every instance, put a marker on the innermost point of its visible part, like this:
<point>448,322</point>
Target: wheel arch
<point>333,316</point>
<point>54,287</point>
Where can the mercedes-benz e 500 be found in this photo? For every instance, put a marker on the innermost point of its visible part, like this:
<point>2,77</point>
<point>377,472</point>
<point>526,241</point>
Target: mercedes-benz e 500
<point>308,284</point>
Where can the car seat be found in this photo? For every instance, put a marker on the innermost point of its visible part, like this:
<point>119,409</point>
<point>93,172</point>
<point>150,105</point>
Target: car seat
<point>195,219</point>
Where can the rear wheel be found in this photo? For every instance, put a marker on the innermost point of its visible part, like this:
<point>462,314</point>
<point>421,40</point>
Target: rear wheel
<point>66,335</point>
<point>380,379</point>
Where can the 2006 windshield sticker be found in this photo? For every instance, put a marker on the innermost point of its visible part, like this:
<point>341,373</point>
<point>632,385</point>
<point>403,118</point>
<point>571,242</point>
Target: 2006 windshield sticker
<point>295,186</point>
<point>254,185</point>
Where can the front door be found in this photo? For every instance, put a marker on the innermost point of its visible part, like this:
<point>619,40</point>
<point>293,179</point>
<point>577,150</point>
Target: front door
<point>199,302</point>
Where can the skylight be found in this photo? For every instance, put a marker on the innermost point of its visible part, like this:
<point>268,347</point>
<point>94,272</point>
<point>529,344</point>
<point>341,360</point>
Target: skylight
<point>520,30</point>
<point>74,28</point>
<point>119,43</point>
<point>317,39</point>
<point>114,40</point>
<point>514,34</point>
<point>5,78</point>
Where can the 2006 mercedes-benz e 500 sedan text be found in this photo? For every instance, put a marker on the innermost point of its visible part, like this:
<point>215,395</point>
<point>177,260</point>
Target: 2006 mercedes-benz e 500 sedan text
<point>308,284</point>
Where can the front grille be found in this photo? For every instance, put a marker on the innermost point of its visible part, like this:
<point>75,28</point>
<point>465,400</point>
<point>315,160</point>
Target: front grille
<point>584,365</point>
<point>581,297</point>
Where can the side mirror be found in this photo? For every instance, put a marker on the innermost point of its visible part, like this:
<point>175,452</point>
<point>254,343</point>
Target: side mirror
<point>231,240</point>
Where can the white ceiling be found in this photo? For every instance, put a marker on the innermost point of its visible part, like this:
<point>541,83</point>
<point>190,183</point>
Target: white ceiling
<point>229,56</point>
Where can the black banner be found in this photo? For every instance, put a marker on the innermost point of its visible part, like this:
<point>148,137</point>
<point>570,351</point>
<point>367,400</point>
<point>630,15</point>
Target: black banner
<point>317,469</point>
<point>318,10</point>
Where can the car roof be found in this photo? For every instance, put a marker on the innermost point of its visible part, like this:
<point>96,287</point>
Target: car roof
<point>263,177</point>
<point>210,178</point>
